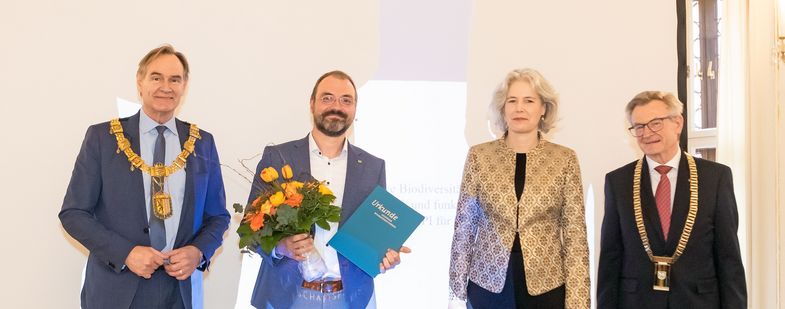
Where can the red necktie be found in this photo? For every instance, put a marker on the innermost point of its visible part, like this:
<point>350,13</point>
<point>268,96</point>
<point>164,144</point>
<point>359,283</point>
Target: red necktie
<point>663,197</point>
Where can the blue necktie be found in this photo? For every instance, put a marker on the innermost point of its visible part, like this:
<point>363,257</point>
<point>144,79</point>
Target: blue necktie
<point>157,228</point>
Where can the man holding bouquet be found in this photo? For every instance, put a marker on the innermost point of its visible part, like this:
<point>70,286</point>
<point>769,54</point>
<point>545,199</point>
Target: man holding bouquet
<point>349,172</point>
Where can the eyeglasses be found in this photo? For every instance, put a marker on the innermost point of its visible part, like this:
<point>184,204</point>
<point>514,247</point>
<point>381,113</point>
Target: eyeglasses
<point>654,125</point>
<point>330,99</point>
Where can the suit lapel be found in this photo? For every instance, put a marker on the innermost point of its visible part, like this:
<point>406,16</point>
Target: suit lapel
<point>183,131</point>
<point>650,214</point>
<point>681,205</point>
<point>354,172</point>
<point>300,159</point>
<point>136,185</point>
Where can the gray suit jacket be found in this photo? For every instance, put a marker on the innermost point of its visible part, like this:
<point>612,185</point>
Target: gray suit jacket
<point>104,209</point>
<point>276,284</point>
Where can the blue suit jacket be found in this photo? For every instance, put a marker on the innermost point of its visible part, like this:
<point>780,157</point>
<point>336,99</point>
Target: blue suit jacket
<point>278,279</point>
<point>104,209</point>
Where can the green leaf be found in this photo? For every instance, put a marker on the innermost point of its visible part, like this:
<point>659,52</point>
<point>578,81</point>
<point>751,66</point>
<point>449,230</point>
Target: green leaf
<point>327,199</point>
<point>268,243</point>
<point>239,208</point>
<point>246,241</point>
<point>265,231</point>
<point>323,224</point>
<point>244,229</point>
<point>286,215</point>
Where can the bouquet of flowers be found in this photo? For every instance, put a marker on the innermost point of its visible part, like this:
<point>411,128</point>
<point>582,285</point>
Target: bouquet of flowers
<point>284,209</point>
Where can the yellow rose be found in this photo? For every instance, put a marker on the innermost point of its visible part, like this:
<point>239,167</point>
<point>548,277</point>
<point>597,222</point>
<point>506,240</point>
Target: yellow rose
<point>286,171</point>
<point>324,189</point>
<point>277,198</point>
<point>266,207</point>
<point>295,184</point>
<point>291,187</point>
<point>269,174</point>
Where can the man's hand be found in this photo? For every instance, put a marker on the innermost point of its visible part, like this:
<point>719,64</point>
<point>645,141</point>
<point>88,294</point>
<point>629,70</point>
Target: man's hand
<point>144,260</point>
<point>392,258</point>
<point>295,246</point>
<point>183,261</point>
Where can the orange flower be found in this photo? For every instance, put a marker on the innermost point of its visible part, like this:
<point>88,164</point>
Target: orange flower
<point>294,200</point>
<point>257,221</point>
<point>255,203</point>
<point>277,198</point>
<point>269,174</point>
<point>324,189</point>
<point>286,171</point>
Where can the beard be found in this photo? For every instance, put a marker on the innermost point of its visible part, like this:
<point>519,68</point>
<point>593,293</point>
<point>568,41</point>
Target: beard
<point>332,127</point>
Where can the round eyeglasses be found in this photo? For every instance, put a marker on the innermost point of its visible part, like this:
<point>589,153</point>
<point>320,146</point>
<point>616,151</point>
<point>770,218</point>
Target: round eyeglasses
<point>330,99</point>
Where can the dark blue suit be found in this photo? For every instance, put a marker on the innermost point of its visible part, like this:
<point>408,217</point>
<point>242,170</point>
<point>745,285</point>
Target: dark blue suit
<point>278,279</point>
<point>709,274</point>
<point>104,209</point>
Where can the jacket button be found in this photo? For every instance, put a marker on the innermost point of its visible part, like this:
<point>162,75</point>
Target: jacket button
<point>147,230</point>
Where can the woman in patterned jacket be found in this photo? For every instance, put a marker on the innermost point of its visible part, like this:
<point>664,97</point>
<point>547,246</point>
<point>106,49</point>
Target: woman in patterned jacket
<point>520,230</point>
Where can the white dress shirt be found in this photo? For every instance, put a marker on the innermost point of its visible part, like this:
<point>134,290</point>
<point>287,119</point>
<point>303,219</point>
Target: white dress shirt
<point>672,174</point>
<point>333,173</point>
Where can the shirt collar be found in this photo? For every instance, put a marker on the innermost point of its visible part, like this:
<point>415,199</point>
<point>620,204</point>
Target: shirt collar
<point>314,148</point>
<point>673,163</point>
<point>147,124</point>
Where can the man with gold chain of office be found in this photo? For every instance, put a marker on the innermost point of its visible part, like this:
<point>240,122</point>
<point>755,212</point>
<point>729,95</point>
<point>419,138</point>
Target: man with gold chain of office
<point>146,198</point>
<point>669,234</point>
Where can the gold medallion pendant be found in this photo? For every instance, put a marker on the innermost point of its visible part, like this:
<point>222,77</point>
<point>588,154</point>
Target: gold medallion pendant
<point>162,205</point>
<point>662,273</point>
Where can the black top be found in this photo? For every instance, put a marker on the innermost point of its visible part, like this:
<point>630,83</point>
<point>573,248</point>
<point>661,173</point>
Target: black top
<point>520,180</point>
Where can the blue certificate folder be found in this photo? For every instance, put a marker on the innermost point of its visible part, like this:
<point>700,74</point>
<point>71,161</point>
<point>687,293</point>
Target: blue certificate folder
<point>382,221</point>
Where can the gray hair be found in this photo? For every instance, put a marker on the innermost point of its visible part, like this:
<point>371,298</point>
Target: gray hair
<point>547,94</point>
<point>165,49</point>
<point>675,107</point>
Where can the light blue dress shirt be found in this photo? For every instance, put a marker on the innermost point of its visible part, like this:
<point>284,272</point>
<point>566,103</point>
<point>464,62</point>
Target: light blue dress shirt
<point>175,183</point>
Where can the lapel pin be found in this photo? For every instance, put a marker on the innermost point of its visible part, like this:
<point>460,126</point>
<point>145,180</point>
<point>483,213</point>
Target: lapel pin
<point>359,161</point>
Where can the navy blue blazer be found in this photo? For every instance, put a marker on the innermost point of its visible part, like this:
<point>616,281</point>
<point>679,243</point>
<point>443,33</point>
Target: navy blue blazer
<point>104,209</point>
<point>278,279</point>
<point>709,274</point>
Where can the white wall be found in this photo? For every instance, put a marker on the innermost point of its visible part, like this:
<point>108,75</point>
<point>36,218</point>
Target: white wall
<point>62,64</point>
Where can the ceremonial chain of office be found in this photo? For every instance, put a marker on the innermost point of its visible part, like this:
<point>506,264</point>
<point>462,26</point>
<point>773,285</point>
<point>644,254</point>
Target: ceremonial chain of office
<point>158,172</point>
<point>662,263</point>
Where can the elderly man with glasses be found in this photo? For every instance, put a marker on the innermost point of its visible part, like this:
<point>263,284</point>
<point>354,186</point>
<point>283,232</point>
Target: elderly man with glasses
<point>669,232</point>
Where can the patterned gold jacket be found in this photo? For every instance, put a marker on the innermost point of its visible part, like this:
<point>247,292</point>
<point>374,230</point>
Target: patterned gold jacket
<point>552,222</point>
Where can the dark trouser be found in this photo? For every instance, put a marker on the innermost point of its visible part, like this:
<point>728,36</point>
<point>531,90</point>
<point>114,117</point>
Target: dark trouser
<point>160,291</point>
<point>514,294</point>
